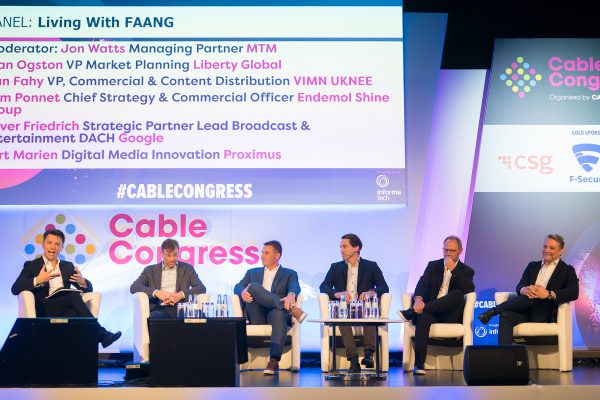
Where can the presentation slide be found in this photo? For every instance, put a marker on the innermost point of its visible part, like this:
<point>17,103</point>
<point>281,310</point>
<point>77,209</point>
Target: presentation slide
<point>210,105</point>
<point>538,172</point>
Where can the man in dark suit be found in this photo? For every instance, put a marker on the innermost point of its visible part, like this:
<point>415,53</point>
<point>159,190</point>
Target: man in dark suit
<point>168,282</point>
<point>544,285</point>
<point>354,278</point>
<point>269,297</point>
<point>438,297</point>
<point>47,275</point>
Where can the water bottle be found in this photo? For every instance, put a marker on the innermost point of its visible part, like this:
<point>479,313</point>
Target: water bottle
<point>219,309</point>
<point>375,307</point>
<point>189,309</point>
<point>368,306</point>
<point>343,310</point>
<point>225,306</point>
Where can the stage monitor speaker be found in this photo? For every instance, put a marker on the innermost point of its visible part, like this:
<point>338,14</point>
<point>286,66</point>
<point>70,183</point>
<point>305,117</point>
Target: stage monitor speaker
<point>50,352</point>
<point>496,365</point>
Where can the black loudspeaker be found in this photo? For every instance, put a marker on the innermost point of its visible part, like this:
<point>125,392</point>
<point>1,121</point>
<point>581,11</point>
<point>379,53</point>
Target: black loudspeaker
<point>496,365</point>
<point>50,352</point>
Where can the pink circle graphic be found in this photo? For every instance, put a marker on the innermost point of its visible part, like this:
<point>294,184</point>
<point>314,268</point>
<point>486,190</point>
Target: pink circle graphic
<point>80,238</point>
<point>14,177</point>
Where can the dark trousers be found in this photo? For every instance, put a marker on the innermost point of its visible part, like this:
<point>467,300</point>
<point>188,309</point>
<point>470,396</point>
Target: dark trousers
<point>350,345</point>
<point>521,309</point>
<point>68,304</point>
<point>267,308</point>
<point>164,312</point>
<point>446,309</point>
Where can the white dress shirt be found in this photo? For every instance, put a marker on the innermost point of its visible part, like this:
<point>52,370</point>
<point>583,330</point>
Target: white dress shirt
<point>545,273</point>
<point>352,281</point>
<point>445,282</point>
<point>269,277</point>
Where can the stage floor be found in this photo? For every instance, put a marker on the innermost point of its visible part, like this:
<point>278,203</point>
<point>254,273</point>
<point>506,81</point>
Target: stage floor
<point>582,383</point>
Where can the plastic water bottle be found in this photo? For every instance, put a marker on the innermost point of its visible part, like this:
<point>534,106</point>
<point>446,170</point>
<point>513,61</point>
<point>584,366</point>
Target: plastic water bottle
<point>368,307</point>
<point>225,306</point>
<point>343,310</point>
<point>219,309</point>
<point>375,307</point>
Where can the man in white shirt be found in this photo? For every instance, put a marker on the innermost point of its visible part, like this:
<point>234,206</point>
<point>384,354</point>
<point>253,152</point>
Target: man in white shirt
<point>47,275</point>
<point>355,278</point>
<point>439,296</point>
<point>544,285</point>
<point>269,296</point>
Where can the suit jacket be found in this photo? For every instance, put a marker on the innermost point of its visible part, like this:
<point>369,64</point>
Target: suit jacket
<point>563,282</point>
<point>187,281</point>
<point>32,268</point>
<point>284,283</point>
<point>430,282</point>
<point>369,277</point>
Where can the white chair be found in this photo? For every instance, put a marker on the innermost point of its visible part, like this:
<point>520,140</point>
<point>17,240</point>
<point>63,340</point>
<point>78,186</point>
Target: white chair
<point>440,357</point>
<point>258,357</point>
<point>26,302</point>
<point>340,353</point>
<point>141,312</point>
<point>557,356</point>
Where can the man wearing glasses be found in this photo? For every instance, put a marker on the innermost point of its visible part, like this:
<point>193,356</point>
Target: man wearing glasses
<point>438,297</point>
<point>168,282</point>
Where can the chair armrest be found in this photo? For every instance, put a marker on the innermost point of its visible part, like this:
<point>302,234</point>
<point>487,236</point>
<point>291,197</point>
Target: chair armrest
<point>469,309</point>
<point>501,297</point>
<point>299,300</point>
<point>406,300</point>
<point>92,301</point>
<point>385,304</point>
<point>323,302</point>
<point>26,301</point>
<point>236,305</point>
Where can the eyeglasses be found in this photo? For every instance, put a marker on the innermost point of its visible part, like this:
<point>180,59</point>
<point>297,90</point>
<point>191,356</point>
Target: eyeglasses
<point>449,250</point>
<point>170,255</point>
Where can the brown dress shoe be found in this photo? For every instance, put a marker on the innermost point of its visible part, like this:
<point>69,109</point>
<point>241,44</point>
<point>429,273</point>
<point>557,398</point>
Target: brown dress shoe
<point>272,367</point>
<point>298,314</point>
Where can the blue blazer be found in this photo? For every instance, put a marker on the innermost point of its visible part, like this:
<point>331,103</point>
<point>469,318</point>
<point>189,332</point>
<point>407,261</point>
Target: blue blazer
<point>369,277</point>
<point>285,282</point>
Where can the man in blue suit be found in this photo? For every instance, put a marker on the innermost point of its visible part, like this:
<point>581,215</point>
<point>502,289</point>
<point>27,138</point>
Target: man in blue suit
<point>269,294</point>
<point>544,285</point>
<point>439,296</point>
<point>354,278</point>
<point>168,282</point>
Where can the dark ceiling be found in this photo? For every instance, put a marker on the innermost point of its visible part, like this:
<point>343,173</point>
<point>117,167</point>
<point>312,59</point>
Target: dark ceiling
<point>473,25</point>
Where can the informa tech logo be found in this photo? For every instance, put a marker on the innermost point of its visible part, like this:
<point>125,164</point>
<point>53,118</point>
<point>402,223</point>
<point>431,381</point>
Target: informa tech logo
<point>587,155</point>
<point>385,194</point>
<point>520,77</point>
<point>78,247</point>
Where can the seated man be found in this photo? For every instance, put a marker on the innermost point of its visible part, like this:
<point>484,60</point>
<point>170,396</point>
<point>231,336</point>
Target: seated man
<point>269,295</point>
<point>354,278</point>
<point>544,285</point>
<point>439,297</point>
<point>46,275</point>
<point>168,283</point>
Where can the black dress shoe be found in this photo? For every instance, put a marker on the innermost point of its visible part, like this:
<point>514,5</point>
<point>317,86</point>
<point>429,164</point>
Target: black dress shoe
<point>109,338</point>
<point>486,316</point>
<point>367,360</point>
<point>407,315</point>
<point>354,365</point>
